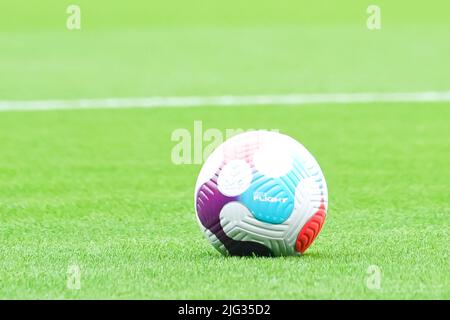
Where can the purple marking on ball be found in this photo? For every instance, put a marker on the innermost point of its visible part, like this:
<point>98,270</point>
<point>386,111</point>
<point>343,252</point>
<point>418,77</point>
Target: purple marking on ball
<point>209,203</point>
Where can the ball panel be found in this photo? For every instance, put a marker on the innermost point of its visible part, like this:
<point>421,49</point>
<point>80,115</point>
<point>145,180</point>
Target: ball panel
<point>234,178</point>
<point>242,146</point>
<point>235,215</point>
<point>310,230</point>
<point>270,200</point>
<point>239,224</point>
<point>211,237</point>
<point>209,204</point>
<point>270,153</point>
<point>271,197</point>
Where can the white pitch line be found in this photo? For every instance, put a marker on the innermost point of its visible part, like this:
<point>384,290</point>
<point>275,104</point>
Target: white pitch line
<point>228,100</point>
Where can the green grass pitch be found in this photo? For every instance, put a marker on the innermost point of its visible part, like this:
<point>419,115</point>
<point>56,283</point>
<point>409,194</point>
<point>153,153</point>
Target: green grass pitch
<point>97,189</point>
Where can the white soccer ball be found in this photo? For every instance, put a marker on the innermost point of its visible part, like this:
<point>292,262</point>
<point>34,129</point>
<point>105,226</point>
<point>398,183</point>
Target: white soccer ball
<point>261,193</point>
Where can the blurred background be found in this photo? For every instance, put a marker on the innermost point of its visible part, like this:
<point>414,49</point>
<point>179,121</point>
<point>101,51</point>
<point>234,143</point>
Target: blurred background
<point>199,47</point>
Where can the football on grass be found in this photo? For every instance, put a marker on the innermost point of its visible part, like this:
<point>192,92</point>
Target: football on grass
<point>261,193</point>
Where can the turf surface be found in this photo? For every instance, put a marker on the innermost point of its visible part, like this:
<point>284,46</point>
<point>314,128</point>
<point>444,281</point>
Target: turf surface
<point>97,188</point>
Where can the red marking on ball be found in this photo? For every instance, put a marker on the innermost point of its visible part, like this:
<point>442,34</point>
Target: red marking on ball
<point>310,230</point>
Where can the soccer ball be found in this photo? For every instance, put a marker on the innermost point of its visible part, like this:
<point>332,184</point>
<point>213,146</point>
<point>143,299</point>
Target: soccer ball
<point>261,193</point>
